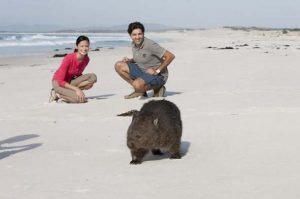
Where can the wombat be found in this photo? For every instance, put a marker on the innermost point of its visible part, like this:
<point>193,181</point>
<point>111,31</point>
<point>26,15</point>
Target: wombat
<point>156,126</point>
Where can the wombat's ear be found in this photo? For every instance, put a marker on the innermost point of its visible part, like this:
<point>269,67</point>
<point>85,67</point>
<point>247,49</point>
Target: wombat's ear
<point>155,122</point>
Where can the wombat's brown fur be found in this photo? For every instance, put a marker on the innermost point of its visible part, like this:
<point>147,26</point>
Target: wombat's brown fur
<point>156,126</point>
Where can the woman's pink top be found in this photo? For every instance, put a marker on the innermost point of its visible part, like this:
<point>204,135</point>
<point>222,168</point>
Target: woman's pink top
<point>70,69</point>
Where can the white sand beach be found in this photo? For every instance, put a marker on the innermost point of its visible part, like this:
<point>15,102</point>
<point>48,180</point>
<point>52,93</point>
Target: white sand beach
<point>240,109</point>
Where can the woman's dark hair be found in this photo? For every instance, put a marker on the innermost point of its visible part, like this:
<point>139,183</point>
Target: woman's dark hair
<point>80,39</point>
<point>135,25</point>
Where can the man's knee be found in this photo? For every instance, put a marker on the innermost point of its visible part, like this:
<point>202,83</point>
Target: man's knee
<point>120,66</point>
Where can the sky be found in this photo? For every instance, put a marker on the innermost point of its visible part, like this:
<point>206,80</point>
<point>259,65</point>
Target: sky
<point>177,13</point>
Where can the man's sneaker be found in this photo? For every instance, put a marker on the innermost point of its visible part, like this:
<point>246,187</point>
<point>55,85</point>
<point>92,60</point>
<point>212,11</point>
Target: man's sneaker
<point>159,92</point>
<point>53,96</point>
<point>135,94</point>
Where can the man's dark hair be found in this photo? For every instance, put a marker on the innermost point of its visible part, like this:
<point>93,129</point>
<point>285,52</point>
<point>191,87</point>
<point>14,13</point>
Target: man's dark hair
<point>135,25</point>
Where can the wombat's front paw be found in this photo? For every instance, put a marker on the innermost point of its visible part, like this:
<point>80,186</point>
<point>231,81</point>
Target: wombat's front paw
<point>175,156</point>
<point>156,152</point>
<point>135,162</point>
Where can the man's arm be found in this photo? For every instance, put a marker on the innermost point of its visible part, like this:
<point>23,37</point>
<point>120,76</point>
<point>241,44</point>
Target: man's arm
<point>167,59</point>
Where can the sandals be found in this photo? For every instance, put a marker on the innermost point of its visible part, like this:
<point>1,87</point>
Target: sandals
<point>53,96</point>
<point>160,92</point>
<point>135,94</point>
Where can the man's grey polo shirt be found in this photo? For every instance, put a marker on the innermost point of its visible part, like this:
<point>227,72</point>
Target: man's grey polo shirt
<point>148,55</point>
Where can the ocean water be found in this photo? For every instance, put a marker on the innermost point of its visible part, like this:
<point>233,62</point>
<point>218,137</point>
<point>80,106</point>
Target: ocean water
<point>12,44</point>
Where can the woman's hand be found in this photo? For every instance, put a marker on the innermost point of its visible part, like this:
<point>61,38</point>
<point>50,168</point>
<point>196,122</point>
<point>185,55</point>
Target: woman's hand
<point>87,87</point>
<point>80,95</point>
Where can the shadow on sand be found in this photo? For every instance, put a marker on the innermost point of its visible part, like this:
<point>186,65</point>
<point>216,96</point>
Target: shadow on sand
<point>167,94</point>
<point>171,93</point>
<point>99,97</point>
<point>184,148</point>
<point>11,150</point>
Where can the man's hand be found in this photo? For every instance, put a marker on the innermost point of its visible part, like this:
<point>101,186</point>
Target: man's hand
<point>151,71</point>
<point>126,60</point>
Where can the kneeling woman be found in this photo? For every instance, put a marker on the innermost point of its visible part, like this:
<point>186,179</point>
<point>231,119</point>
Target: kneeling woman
<point>68,81</point>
